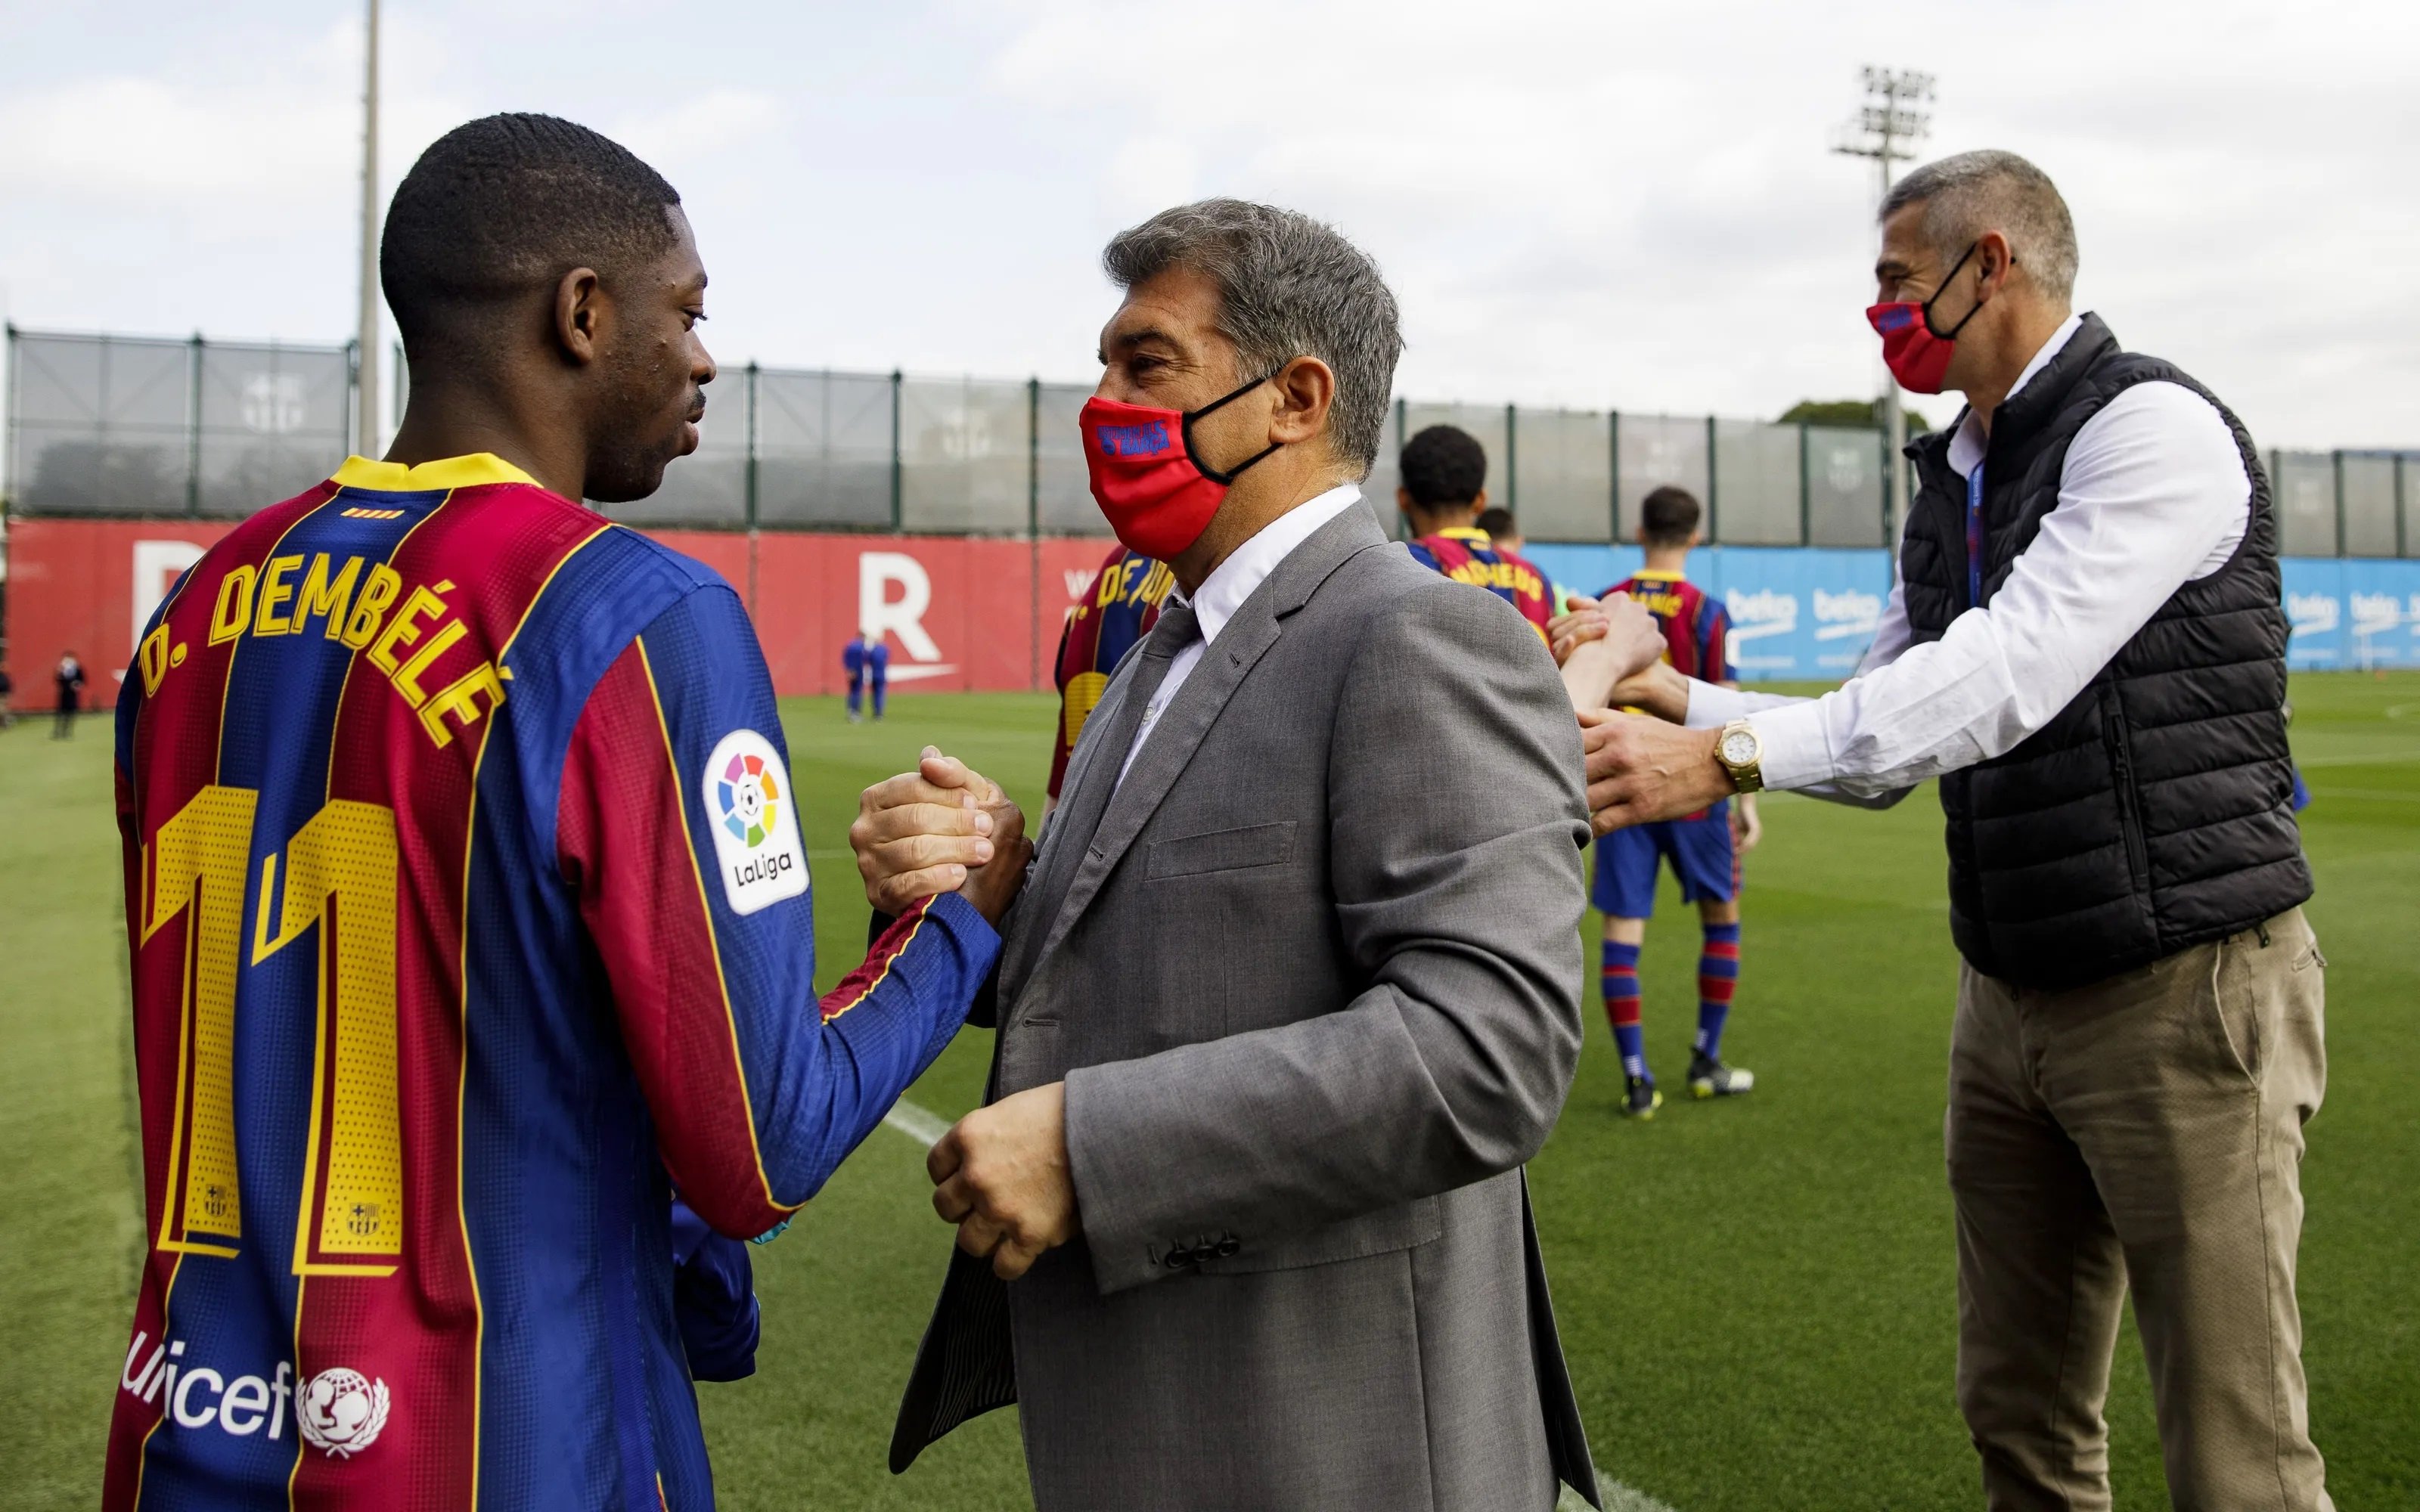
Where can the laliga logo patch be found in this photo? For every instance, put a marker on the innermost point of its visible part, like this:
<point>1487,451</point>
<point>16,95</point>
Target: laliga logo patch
<point>744,788</point>
<point>340,1411</point>
<point>750,799</point>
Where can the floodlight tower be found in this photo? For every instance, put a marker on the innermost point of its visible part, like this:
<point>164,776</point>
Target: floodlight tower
<point>1887,129</point>
<point>366,393</point>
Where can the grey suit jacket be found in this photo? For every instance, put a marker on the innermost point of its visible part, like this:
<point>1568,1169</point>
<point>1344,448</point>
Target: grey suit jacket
<point>1311,976</point>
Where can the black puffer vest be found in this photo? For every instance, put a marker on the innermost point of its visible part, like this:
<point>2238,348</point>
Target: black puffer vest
<point>2152,812</point>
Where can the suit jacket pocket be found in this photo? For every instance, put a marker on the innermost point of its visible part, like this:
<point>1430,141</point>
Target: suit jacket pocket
<point>1221,850</point>
<point>1405,1226</point>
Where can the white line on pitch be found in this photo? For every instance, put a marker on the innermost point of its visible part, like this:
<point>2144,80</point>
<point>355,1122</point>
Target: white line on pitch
<point>1618,1498</point>
<point>926,1128</point>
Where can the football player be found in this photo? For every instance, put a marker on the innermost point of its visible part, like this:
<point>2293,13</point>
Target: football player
<point>468,909</point>
<point>1443,493</point>
<point>1118,609</point>
<point>1702,849</point>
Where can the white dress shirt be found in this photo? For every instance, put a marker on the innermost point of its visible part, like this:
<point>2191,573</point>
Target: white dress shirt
<point>1229,584</point>
<point>2153,495</point>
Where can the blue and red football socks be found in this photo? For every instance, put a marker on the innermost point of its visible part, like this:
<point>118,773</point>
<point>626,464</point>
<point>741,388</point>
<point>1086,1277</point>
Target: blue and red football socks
<point>1717,978</point>
<point>1621,1005</point>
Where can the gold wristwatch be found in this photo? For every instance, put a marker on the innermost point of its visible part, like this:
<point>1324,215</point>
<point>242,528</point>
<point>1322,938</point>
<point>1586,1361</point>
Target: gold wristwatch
<point>1742,752</point>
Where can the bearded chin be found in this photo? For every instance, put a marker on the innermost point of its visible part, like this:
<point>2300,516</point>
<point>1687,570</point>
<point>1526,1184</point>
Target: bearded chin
<point>621,470</point>
<point>627,460</point>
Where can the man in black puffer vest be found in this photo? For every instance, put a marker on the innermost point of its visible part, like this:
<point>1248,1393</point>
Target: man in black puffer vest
<point>2085,645</point>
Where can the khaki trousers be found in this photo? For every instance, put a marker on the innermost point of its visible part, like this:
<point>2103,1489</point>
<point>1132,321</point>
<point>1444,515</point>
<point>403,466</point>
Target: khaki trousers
<point>2145,1130</point>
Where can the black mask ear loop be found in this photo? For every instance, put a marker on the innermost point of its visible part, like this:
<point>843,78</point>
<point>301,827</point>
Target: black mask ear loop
<point>1951,334</point>
<point>1223,479</point>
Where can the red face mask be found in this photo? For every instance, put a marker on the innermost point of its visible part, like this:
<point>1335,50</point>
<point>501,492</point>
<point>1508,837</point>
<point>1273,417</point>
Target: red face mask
<point>1157,493</point>
<point>1917,355</point>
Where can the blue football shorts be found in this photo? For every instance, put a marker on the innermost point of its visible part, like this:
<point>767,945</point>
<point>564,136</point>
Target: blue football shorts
<point>1700,850</point>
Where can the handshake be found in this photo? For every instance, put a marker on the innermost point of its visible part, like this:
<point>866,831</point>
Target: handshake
<point>943,828</point>
<point>1000,1174</point>
<point>1644,766</point>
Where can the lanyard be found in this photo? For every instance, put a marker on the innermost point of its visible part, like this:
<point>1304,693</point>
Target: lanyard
<point>1975,536</point>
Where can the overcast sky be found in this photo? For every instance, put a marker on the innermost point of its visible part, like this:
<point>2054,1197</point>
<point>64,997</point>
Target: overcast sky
<point>1584,203</point>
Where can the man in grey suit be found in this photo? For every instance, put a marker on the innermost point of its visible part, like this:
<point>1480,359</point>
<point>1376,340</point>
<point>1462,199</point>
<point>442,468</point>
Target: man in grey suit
<point>1293,989</point>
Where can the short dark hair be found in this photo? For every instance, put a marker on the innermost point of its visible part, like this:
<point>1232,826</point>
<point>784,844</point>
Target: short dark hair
<point>1444,465</point>
<point>1497,520</point>
<point>1670,515</point>
<point>1971,192</point>
<point>507,204</point>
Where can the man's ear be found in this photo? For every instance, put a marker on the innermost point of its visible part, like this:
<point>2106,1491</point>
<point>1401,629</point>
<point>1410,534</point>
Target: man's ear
<point>580,315</point>
<point>1994,257</point>
<point>1479,500</point>
<point>1305,388</point>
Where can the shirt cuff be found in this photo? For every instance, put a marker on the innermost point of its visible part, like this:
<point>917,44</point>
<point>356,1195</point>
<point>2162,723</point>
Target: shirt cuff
<point>980,935</point>
<point>1713,705</point>
<point>1797,750</point>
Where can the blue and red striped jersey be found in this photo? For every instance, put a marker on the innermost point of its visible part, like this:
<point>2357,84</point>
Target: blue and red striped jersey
<point>1469,555</point>
<point>470,918</point>
<point>1117,611</point>
<point>1697,628</point>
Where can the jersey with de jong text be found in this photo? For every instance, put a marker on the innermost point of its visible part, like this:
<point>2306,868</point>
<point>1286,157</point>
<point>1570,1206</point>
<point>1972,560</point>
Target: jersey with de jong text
<point>1118,609</point>
<point>470,919</point>
<point>1467,556</point>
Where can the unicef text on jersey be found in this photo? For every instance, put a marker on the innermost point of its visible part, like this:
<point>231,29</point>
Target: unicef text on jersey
<point>338,1412</point>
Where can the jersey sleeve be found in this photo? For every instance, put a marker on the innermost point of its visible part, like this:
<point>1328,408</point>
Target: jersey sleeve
<point>679,832</point>
<point>1533,595</point>
<point>1077,636</point>
<point>1715,654</point>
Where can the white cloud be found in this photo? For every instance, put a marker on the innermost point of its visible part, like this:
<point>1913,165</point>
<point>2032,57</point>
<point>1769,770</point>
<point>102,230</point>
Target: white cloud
<point>1147,174</point>
<point>1635,206</point>
<point>114,138</point>
<point>722,120</point>
<point>1592,202</point>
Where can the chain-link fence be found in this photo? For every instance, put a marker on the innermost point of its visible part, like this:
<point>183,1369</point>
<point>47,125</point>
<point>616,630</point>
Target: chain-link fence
<point>110,426</point>
<point>131,427</point>
<point>2346,503</point>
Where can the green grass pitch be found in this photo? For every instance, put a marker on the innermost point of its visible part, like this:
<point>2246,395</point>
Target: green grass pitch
<point>1757,1296</point>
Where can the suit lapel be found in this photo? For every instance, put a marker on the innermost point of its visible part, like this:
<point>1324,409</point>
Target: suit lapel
<point>1087,787</point>
<point>1189,719</point>
<point>1163,757</point>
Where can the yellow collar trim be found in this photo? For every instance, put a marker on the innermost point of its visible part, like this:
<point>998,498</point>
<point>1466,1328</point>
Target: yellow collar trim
<point>1660,576</point>
<point>1465,533</point>
<point>428,477</point>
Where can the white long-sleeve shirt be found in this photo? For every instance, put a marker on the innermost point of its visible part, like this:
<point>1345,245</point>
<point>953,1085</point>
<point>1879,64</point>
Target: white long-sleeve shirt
<point>2153,495</point>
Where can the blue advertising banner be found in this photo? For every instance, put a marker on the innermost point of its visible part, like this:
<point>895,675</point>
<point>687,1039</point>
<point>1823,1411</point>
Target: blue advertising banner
<point>2353,612</point>
<point>1808,613</point>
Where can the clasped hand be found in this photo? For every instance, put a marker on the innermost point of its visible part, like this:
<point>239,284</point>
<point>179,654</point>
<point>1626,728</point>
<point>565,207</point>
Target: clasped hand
<point>1640,766</point>
<point>943,828</point>
<point>1002,1176</point>
<point>1603,646</point>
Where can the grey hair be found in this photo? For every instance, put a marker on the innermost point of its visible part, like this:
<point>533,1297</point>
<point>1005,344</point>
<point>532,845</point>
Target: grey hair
<point>1288,286</point>
<point>1972,193</point>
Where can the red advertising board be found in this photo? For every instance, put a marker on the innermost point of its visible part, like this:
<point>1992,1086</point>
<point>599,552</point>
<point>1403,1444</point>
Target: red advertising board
<point>960,614</point>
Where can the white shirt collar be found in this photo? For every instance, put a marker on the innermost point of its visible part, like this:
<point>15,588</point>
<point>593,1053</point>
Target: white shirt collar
<point>1966,447</point>
<point>1250,564</point>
